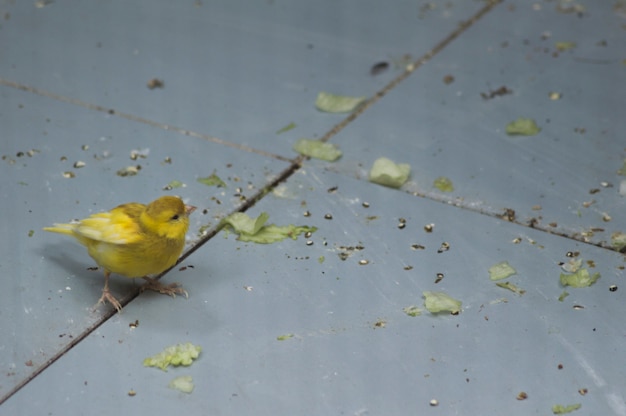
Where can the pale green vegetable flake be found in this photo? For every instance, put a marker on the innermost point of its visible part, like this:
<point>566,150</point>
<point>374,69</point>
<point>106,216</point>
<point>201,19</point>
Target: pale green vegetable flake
<point>559,409</point>
<point>288,127</point>
<point>212,180</point>
<point>254,229</point>
<point>522,127</point>
<point>182,383</point>
<point>284,337</point>
<point>443,184</point>
<point>501,271</point>
<point>510,286</point>
<point>618,240</point>
<point>317,149</point>
<point>581,278</point>
<point>331,103</point>
<point>563,295</point>
<point>386,172</point>
<point>436,302</point>
<point>412,310</point>
<point>179,354</point>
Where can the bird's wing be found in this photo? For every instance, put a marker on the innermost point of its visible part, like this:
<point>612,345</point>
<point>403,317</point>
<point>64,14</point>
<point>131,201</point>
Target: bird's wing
<point>118,226</point>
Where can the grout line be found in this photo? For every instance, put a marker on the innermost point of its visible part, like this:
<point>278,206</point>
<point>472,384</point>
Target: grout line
<point>295,164</point>
<point>138,119</point>
<point>410,68</point>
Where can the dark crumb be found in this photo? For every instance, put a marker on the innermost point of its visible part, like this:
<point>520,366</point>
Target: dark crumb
<point>332,189</point>
<point>560,366</point>
<point>509,214</point>
<point>496,93</point>
<point>379,68</point>
<point>448,79</point>
<point>155,83</point>
<point>533,222</point>
<point>522,395</point>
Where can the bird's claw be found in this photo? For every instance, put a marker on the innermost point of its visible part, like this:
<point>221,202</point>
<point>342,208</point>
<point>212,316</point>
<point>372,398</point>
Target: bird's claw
<point>107,296</point>
<point>172,289</point>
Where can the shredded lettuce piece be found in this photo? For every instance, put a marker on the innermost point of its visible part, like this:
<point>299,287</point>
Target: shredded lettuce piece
<point>501,271</point>
<point>182,383</point>
<point>579,279</point>
<point>386,172</point>
<point>331,103</point>
<point>618,241</point>
<point>559,409</point>
<point>288,127</point>
<point>179,354</point>
<point>522,127</point>
<point>563,295</point>
<point>317,149</point>
<point>444,184</point>
<point>510,286</point>
<point>284,337</point>
<point>436,302</point>
<point>412,310</point>
<point>564,46</point>
<point>254,229</point>
<point>212,180</point>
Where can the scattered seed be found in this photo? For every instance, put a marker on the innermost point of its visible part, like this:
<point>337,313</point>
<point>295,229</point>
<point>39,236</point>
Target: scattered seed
<point>381,323</point>
<point>613,288</point>
<point>522,395</point>
<point>248,288</point>
<point>132,393</point>
<point>417,247</point>
<point>516,240</point>
<point>155,83</point>
<point>582,391</point>
<point>434,402</point>
<point>134,325</point>
<point>606,217</point>
<point>79,164</point>
<point>578,307</point>
<point>308,234</point>
<point>309,243</point>
<point>572,254</point>
<point>445,246</point>
<point>408,267</point>
<point>429,228</point>
<point>85,147</point>
<point>366,204</point>
<point>307,214</point>
<point>439,277</point>
<point>379,68</point>
<point>401,225</point>
<point>328,216</point>
<point>69,174</point>
<point>605,184</point>
<point>167,160</point>
<point>560,366</point>
<point>332,190</point>
<point>363,262</point>
<point>448,79</point>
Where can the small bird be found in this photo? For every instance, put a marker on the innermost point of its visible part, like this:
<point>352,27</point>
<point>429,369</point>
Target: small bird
<point>134,240</point>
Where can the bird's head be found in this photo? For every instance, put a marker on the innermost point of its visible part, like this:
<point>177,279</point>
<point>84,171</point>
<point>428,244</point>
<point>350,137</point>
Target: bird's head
<point>167,217</point>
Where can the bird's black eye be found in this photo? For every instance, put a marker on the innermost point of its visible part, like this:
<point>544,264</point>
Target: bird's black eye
<point>174,218</point>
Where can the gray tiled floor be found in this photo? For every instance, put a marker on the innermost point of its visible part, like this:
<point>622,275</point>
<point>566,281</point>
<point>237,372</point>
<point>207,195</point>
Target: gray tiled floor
<point>73,87</point>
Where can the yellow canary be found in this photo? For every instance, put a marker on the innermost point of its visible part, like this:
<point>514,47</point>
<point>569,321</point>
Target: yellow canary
<point>134,240</point>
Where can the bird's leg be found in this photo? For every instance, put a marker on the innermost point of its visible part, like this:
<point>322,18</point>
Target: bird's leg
<point>172,289</point>
<point>106,294</point>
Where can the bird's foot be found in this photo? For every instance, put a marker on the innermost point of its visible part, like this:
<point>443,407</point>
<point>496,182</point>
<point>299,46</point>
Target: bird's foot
<point>172,289</point>
<point>107,296</point>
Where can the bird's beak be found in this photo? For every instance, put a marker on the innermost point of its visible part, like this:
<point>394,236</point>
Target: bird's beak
<point>189,209</point>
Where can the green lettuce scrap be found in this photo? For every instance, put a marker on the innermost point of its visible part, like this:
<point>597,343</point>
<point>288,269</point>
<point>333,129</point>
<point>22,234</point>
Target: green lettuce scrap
<point>412,310</point>
<point>288,127</point>
<point>317,149</point>
<point>563,295</point>
<point>618,240</point>
<point>522,127</point>
<point>510,286</point>
<point>501,271</point>
<point>254,229</point>
<point>182,383</point>
<point>284,337</point>
<point>564,46</point>
<point>579,279</point>
<point>559,409</point>
<point>212,180</point>
<point>179,354</point>
<point>436,302</point>
<point>386,172</point>
<point>443,184</point>
<point>331,103</point>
